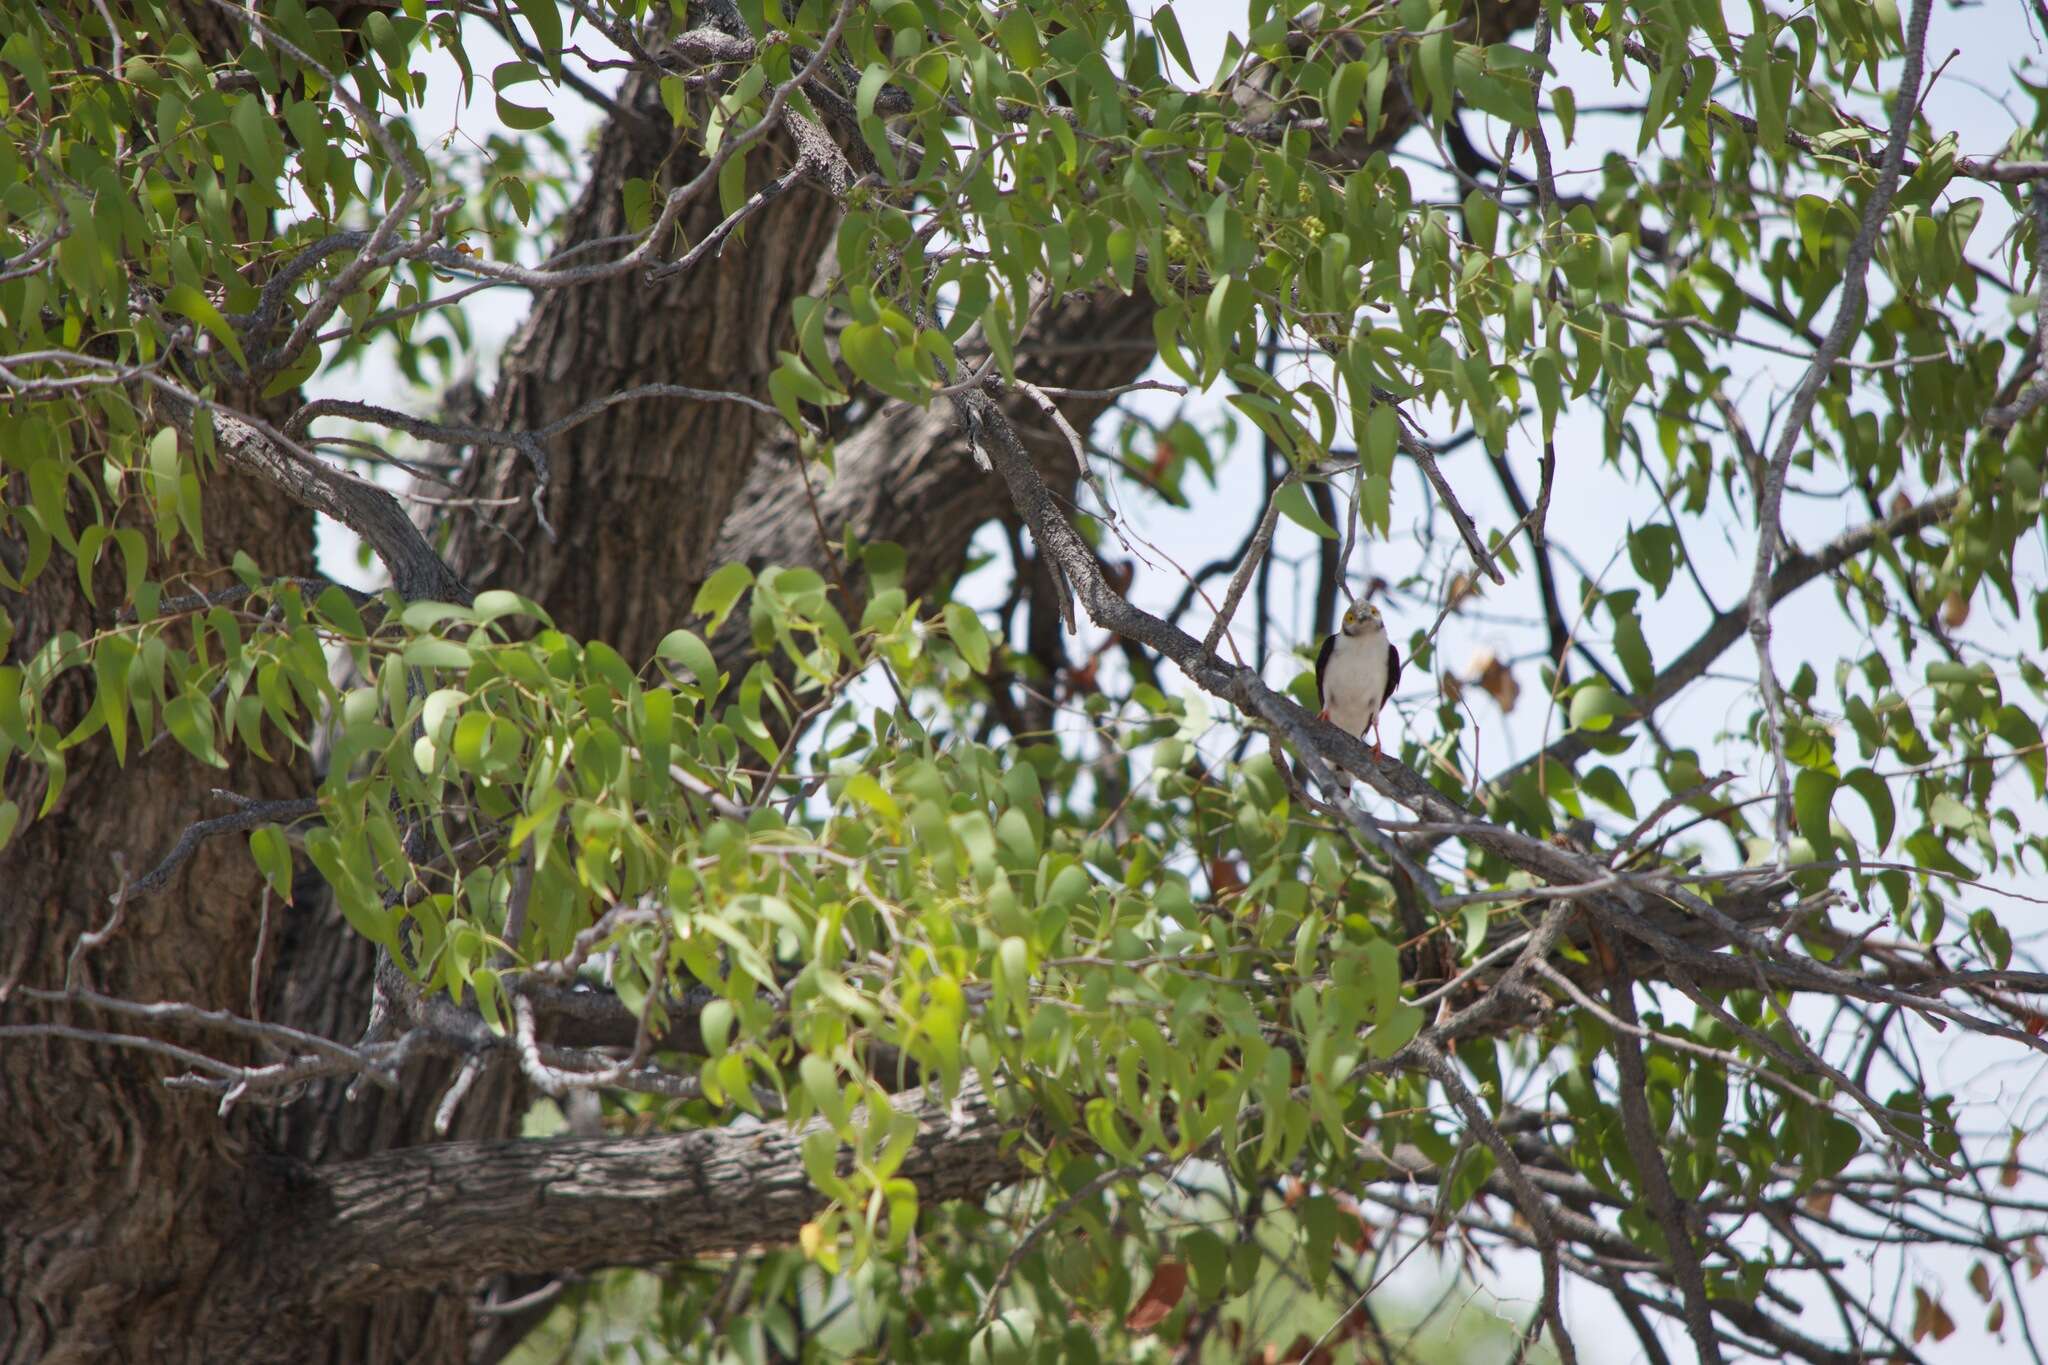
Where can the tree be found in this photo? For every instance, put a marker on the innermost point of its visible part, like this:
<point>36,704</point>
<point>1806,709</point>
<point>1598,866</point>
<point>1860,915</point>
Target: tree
<point>1037,980</point>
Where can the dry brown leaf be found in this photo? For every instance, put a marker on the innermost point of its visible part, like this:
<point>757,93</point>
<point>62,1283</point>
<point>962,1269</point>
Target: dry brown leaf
<point>1930,1319</point>
<point>1451,687</point>
<point>1163,456</point>
<point>1495,678</point>
<point>1955,610</point>
<point>1980,1280</point>
<point>1169,1283</point>
<point>1081,681</point>
<point>1464,587</point>
<point>1301,1351</point>
<point>1994,1322</point>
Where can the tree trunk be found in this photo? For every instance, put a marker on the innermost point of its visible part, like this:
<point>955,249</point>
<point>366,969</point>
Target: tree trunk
<point>117,1196</point>
<point>637,494</point>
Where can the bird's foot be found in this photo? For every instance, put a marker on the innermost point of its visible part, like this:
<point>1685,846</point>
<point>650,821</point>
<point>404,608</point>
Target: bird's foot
<point>1324,715</point>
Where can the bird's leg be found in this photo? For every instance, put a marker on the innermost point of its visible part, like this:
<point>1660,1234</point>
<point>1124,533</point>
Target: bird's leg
<point>1377,756</point>
<point>1324,715</point>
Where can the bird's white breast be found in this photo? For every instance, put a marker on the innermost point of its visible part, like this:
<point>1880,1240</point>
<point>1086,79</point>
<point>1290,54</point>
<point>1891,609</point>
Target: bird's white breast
<point>1355,683</point>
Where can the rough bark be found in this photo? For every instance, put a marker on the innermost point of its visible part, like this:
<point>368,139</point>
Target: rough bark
<point>581,1204</point>
<point>111,1187</point>
<point>906,475</point>
<point>637,494</point>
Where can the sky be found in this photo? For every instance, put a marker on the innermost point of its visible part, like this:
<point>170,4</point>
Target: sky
<point>1974,93</point>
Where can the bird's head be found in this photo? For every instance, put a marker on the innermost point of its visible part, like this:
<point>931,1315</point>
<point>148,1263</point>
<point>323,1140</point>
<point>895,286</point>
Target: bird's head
<point>1362,618</point>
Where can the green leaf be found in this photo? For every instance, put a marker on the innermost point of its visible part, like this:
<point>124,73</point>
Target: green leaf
<point>339,611</point>
<point>523,118</point>
<point>1168,28</point>
<point>964,626</point>
<point>190,721</point>
<point>1950,814</point>
<point>870,352</point>
<point>870,793</point>
<point>1482,220</point>
<point>1395,1032</point>
<point>1630,647</point>
<point>821,1084</point>
<point>1547,374</point>
<point>1476,918</point>
<point>1877,795</point>
<point>434,652</point>
<point>687,648</point>
<point>494,603</point>
<point>675,97</point>
<point>273,855</point>
<point>1436,55</point>
<point>1594,706</point>
<point>186,300</point>
<point>1296,507</point>
<point>546,21</point>
<point>721,592</point>
<point>1653,550</point>
<point>1347,88</point>
<point>2018,729</point>
<point>1019,38</point>
<point>1813,792</point>
<point>1603,786</point>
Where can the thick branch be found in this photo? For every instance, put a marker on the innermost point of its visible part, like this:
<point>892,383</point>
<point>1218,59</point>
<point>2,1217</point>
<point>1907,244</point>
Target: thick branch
<point>416,570</point>
<point>455,1213</point>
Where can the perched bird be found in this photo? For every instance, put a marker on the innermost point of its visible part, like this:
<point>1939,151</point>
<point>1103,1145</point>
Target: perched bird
<point>1356,671</point>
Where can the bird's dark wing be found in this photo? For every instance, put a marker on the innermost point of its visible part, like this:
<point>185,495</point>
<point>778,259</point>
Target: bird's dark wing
<point>1322,665</point>
<point>1393,671</point>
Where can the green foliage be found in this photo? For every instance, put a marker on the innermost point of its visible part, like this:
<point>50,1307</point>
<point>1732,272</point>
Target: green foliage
<point>1170,961</point>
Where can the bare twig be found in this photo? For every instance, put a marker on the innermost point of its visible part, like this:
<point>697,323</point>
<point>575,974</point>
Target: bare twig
<point>93,939</point>
<point>1535,1208</point>
<point>1262,540</point>
<point>248,814</point>
<point>1847,319</point>
<point>1420,451</point>
<point>1654,1176</point>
